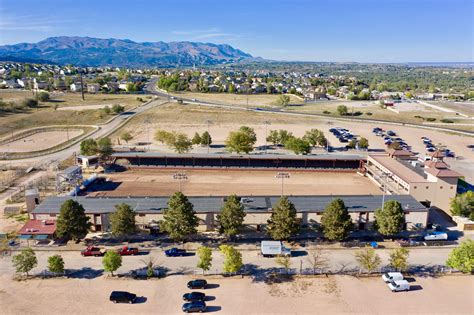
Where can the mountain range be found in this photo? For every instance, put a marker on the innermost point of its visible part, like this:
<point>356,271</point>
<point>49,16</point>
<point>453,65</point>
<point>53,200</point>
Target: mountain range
<point>87,51</point>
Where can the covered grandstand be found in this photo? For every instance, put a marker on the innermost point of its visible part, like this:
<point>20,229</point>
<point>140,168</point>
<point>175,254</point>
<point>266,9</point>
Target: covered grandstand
<point>329,162</point>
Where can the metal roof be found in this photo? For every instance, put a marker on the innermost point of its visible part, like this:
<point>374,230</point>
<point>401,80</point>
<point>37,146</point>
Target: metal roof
<point>241,156</point>
<point>365,203</point>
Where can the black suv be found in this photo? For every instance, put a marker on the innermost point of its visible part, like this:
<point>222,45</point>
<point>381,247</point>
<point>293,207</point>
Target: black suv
<point>122,297</point>
<point>194,296</point>
<point>196,306</point>
<point>197,284</point>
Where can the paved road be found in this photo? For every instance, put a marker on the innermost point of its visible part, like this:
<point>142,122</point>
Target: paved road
<point>339,259</point>
<point>104,130</point>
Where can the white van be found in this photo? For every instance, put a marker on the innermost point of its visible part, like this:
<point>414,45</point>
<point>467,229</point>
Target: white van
<point>392,276</point>
<point>399,285</point>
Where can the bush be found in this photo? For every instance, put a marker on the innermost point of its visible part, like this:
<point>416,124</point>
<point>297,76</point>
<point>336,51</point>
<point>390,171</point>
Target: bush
<point>117,109</point>
<point>447,121</point>
<point>42,96</point>
<point>430,119</point>
<point>326,112</point>
<point>368,114</point>
<point>29,102</point>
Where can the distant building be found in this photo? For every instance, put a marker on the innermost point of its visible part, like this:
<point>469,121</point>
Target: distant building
<point>93,88</point>
<point>76,87</point>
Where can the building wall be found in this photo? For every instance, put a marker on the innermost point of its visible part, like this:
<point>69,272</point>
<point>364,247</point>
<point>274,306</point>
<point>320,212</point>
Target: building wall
<point>439,193</point>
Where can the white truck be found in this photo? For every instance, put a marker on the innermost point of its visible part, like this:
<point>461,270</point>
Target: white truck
<point>274,248</point>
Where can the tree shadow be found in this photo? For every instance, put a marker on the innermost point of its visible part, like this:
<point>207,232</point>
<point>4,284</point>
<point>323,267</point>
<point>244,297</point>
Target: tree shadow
<point>84,273</point>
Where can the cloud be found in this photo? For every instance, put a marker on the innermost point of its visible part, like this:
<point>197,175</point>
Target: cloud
<point>194,32</point>
<point>204,34</point>
<point>32,23</point>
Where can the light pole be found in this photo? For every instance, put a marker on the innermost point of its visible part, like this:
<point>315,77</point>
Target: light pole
<point>266,123</point>
<point>208,122</point>
<point>282,175</point>
<point>179,177</point>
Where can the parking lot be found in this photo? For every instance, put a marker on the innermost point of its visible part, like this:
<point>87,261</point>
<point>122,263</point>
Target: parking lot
<point>331,295</point>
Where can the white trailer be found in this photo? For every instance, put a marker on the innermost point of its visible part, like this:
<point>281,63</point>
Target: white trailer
<point>274,248</point>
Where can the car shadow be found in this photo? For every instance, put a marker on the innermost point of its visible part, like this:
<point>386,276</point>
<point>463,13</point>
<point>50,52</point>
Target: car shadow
<point>143,253</point>
<point>211,309</point>
<point>410,279</point>
<point>298,253</point>
<point>189,254</point>
<point>209,298</point>
<point>416,288</point>
<point>140,300</point>
<point>212,286</point>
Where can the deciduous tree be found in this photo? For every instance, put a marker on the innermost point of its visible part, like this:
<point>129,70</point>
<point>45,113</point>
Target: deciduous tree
<point>283,100</point>
<point>88,147</point>
<point>56,264</point>
<point>111,261</point>
<point>462,257</point>
<point>399,259</point>
<point>25,261</point>
<point>126,136</point>
<point>368,259</point>
<point>205,258</point>
<point>342,110</point>
<point>233,258</point>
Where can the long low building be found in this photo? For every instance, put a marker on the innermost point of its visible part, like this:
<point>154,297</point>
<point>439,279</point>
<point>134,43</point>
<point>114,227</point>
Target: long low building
<point>331,162</point>
<point>259,209</point>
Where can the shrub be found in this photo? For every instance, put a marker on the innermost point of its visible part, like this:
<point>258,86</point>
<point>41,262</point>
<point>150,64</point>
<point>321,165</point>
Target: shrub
<point>42,96</point>
<point>117,109</point>
<point>326,112</point>
<point>29,102</point>
<point>447,121</point>
<point>430,119</point>
<point>368,114</point>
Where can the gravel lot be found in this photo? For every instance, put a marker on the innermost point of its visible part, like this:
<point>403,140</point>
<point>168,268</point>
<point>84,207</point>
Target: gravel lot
<point>332,295</point>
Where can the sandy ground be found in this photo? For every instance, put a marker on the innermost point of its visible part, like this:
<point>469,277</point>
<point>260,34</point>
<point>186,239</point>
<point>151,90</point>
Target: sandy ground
<point>39,141</point>
<point>333,295</point>
<point>225,182</point>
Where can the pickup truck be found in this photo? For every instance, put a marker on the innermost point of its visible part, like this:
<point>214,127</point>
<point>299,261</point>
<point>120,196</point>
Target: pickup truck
<point>127,251</point>
<point>93,251</point>
<point>174,252</point>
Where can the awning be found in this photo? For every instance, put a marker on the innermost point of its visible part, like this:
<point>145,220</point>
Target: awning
<point>25,236</point>
<point>41,237</point>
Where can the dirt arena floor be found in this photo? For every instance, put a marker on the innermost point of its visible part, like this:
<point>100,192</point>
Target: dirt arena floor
<point>226,182</point>
<point>332,295</point>
<point>39,141</point>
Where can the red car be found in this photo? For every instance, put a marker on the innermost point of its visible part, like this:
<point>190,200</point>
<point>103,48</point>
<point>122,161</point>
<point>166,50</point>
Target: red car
<point>127,251</point>
<point>93,251</point>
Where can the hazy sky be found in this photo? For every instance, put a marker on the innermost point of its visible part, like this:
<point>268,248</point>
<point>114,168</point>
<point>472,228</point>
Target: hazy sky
<point>317,30</point>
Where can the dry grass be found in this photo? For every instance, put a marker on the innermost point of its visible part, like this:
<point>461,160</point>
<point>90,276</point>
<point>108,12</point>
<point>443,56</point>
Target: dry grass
<point>46,114</point>
<point>254,100</point>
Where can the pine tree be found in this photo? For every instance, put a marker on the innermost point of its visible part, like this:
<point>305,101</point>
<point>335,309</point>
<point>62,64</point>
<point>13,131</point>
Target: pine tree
<point>179,220</point>
<point>283,223</point>
<point>72,222</point>
<point>390,219</point>
<point>336,221</point>
<point>123,220</point>
<point>231,217</point>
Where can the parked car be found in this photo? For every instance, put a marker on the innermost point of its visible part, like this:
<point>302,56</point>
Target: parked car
<point>122,297</point>
<point>194,296</point>
<point>127,251</point>
<point>391,133</point>
<point>392,276</point>
<point>436,236</point>
<point>197,284</point>
<point>174,252</point>
<point>192,307</point>
<point>399,285</point>
<point>93,251</point>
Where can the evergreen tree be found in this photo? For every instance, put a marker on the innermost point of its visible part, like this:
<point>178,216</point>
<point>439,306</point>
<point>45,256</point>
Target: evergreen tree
<point>123,220</point>
<point>390,219</point>
<point>56,264</point>
<point>336,221</point>
<point>179,220</point>
<point>206,138</point>
<point>283,223</point>
<point>231,217</point>
<point>196,139</point>
<point>72,222</point>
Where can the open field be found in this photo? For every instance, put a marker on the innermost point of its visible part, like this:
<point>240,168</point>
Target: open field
<point>242,182</point>
<point>332,295</point>
<point>192,118</point>
<point>466,108</point>
<point>401,112</point>
<point>254,100</point>
<point>46,115</point>
<point>40,141</point>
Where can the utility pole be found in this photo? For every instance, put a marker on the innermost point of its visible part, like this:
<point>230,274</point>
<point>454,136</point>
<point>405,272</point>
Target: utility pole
<point>282,175</point>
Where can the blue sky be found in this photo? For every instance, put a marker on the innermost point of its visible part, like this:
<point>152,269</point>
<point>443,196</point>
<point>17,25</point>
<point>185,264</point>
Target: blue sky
<point>318,30</point>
